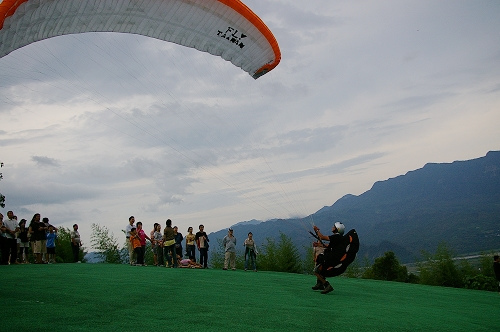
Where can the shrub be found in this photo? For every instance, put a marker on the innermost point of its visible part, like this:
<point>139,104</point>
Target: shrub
<point>480,282</point>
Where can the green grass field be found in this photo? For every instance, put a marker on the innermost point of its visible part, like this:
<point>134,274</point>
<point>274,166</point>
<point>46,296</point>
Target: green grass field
<point>105,297</point>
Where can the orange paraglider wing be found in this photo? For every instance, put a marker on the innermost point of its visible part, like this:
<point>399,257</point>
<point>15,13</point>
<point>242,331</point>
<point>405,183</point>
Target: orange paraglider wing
<point>225,28</point>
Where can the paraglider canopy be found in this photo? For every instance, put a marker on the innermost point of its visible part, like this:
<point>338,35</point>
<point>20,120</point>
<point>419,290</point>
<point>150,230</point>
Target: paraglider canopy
<point>225,28</point>
<point>337,259</point>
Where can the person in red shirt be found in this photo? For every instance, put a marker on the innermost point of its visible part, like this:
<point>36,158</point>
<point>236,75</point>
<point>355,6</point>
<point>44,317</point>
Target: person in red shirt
<point>142,237</point>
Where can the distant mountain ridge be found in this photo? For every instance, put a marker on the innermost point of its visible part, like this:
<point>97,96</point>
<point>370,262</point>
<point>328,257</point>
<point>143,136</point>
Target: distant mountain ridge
<point>457,203</point>
<point>250,222</point>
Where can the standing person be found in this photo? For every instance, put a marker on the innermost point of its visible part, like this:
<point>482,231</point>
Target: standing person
<point>131,255</point>
<point>46,222</point>
<point>2,239</point>
<point>157,244</point>
<point>320,271</point>
<point>191,244</point>
<point>37,230</point>
<point>250,252</point>
<point>178,242</point>
<point>169,245</point>
<point>142,236</point>
<point>23,241</point>
<point>18,241</point>
<point>51,244</point>
<point>229,244</point>
<point>496,268</point>
<point>135,242</point>
<point>202,240</point>
<point>76,243</point>
<point>9,247</point>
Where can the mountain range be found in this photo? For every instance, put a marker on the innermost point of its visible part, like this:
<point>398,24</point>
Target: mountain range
<point>455,203</point>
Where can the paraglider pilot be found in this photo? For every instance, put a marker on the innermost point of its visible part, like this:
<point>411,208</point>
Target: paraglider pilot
<point>334,241</point>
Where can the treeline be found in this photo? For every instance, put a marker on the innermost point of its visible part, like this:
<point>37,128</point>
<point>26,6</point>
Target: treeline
<point>438,269</point>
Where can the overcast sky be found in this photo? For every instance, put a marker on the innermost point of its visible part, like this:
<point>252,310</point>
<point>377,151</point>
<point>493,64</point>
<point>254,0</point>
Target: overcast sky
<point>98,127</point>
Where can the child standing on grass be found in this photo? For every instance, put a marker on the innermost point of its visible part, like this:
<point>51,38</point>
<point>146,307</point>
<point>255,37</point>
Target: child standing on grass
<point>135,242</point>
<point>51,244</point>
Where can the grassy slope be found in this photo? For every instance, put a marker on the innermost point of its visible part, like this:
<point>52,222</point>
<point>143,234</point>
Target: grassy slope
<point>83,297</point>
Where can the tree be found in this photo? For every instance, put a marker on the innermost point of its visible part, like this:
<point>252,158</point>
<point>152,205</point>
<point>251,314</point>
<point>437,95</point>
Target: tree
<point>308,263</point>
<point>288,257</point>
<point>105,244</point>
<point>439,269</point>
<point>267,258</point>
<point>283,257</point>
<point>387,268</point>
<point>217,255</point>
<point>486,265</point>
<point>2,197</point>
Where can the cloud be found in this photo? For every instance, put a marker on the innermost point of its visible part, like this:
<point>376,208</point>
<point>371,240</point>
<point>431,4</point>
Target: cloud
<point>49,193</point>
<point>45,161</point>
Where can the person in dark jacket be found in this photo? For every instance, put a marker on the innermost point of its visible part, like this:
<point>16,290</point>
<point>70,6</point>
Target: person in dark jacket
<point>178,241</point>
<point>496,268</point>
<point>320,270</point>
<point>202,240</point>
<point>169,245</point>
<point>24,242</point>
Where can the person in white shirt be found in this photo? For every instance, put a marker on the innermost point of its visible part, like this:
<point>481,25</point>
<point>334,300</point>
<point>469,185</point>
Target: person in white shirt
<point>131,254</point>
<point>9,249</point>
<point>10,228</point>
<point>229,244</point>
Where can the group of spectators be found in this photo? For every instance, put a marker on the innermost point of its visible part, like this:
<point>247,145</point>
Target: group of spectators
<point>168,247</point>
<point>16,238</point>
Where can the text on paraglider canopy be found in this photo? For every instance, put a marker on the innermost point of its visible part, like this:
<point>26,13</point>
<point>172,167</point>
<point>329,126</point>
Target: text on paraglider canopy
<point>231,34</point>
